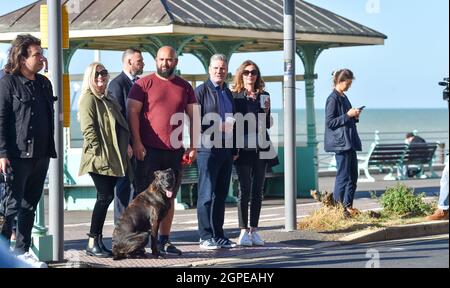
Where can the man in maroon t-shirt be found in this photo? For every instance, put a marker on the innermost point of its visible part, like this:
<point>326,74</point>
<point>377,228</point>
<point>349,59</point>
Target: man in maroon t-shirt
<point>152,102</point>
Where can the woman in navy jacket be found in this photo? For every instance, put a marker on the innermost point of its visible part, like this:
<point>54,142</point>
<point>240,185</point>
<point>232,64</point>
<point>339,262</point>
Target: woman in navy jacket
<point>341,137</point>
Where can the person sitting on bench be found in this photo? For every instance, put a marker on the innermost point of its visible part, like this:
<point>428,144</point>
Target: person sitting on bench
<point>412,139</point>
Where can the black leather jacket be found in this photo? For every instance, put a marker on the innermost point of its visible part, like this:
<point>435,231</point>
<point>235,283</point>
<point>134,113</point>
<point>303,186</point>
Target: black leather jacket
<point>241,107</point>
<point>241,103</point>
<point>17,116</point>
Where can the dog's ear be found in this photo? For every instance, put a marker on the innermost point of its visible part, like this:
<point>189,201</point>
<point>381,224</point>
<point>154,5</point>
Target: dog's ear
<point>157,174</point>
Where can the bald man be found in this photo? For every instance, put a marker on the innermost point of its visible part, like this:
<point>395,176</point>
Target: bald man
<point>152,102</point>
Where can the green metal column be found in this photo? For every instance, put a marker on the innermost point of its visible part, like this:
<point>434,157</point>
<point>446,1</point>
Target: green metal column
<point>204,56</point>
<point>39,220</point>
<point>227,48</point>
<point>176,42</point>
<point>309,55</point>
<point>41,242</point>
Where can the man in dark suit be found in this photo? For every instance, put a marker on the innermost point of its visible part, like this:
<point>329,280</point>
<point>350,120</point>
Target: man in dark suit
<point>119,87</point>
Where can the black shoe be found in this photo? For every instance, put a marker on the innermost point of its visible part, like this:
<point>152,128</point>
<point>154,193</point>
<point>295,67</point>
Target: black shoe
<point>169,248</point>
<point>226,243</point>
<point>102,245</point>
<point>93,248</point>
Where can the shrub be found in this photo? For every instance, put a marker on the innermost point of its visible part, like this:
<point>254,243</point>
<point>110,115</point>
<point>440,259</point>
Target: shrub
<point>400,200</point>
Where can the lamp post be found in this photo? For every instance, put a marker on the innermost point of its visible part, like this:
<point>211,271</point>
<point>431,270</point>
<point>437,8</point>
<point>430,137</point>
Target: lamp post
<point>290,183</point>
<point>56,179</point>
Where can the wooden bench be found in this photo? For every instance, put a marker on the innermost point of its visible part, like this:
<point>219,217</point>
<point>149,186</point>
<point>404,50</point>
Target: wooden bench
<point>188,189</point>
<point>396,156</point>
<point>274,183</point>
<point>419,155</point>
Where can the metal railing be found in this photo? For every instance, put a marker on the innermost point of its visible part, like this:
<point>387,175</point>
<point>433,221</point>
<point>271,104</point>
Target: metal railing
<point>367,138</point>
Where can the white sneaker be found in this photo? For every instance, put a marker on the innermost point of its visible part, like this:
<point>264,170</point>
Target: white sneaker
<point>244,239</point>
<point>31,260</point>
<point>256,239</point>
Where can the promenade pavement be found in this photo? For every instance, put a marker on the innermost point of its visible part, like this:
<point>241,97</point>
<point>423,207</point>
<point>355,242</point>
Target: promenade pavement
<point>278,240</point>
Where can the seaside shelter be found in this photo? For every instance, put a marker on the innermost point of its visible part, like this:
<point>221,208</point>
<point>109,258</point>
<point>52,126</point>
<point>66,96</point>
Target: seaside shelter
<point>203,28</point>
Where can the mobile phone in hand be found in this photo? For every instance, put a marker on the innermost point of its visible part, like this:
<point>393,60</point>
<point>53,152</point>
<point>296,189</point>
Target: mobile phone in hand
<point>362,107</point>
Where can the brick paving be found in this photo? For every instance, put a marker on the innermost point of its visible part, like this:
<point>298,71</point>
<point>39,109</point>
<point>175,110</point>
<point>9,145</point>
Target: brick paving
<point>191,254</point>
<point>185,237</point>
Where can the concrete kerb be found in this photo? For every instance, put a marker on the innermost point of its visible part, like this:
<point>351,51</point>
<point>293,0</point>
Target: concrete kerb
<point>397,232</point>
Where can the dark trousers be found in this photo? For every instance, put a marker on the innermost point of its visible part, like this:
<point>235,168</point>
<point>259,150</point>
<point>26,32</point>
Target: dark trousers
<point>124,193</point>
<point>105,195</point>
<point>251,172</point>
<point>27,187</point>
<point>346,178</point>
<point>214,168</point>
<point>155,160</point>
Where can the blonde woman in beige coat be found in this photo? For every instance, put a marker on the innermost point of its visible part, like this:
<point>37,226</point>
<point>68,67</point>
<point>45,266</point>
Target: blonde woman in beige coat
<point>106,150</point>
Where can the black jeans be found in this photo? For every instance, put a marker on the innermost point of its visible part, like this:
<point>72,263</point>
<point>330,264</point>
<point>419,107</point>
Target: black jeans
<point>27,187</point>
<point>251,173</point>
<point>214,169</point>
<point>105,195</point>
<point>346,177</point>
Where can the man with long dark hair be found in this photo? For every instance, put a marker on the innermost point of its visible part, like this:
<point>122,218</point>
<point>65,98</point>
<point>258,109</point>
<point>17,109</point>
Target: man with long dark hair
<point>26,135</point>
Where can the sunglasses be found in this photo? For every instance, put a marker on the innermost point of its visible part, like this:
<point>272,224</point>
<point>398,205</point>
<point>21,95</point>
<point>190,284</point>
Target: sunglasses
<point>252,72</point>
<point>102,73</point>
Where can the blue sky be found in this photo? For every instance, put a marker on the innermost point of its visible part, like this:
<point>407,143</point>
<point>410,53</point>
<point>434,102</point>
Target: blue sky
<point>401,74</point>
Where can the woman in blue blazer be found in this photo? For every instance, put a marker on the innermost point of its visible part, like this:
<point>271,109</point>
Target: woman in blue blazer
<point>341,137</point>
